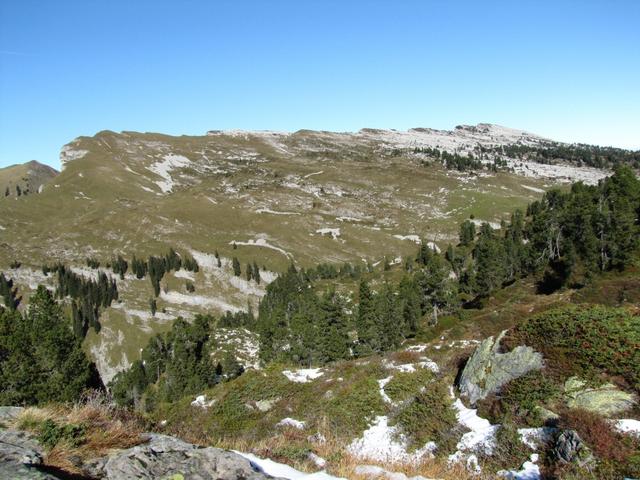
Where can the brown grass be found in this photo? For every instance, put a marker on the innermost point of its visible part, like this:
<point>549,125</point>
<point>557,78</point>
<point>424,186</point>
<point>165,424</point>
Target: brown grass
<point>107,428</point>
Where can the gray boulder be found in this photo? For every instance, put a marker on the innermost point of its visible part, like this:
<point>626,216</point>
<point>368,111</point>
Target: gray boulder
<point>607,399</point>
<point>569,448</point>
<point>20,457</point>
<point>8,414</point>
<point>164,457</point>
<point>487,370</point>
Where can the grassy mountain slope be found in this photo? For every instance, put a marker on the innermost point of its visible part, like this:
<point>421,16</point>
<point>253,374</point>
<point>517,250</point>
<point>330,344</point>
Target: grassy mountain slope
<point>24,179</point>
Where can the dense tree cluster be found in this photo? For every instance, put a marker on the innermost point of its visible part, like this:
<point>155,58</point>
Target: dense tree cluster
<point>578,154</point>
<point>8,293</point>
<point>173,365</point>
<point>40,359</point>
<point>88,297</point>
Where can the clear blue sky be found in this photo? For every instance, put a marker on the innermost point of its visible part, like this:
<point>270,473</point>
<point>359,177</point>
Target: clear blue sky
<point>569,70</point>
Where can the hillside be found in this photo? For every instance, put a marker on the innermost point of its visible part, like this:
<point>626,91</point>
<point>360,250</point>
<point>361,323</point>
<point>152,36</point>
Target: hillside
<point>25,179</point>
<point>267,198</point>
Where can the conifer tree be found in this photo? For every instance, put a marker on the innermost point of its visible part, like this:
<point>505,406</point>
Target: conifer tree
<point>236,267</point>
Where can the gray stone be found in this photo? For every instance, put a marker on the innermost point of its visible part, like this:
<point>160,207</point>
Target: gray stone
<point>569,448</point>
<point>487,370</point>
<point>165,457</point>
<point>9,414</point>
<point>607,399</point>
<point>20,457</point>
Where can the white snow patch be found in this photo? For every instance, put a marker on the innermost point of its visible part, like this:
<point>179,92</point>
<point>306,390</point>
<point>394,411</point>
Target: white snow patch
<point>533,189</point>
<point>314,173</point>
<point>412,367</point>
<point>164,168</point>
<point>628,425</point>
<point>68,154</point>
<point>261,242</point>
<point>334,232</point>
<point>303,375</point>
<point>481,438</point>
<point>201,402</point>
<point>291,422</point>
<point>384,443</point>
<point>281,470</point>
<point>185,274</point>
<point>413,238</point>
<point>534,437</point>
<point>382,383</point>
<point>274,212</point>
<point>529,470</point>
<point>494,225</point>
<point>374,471</point>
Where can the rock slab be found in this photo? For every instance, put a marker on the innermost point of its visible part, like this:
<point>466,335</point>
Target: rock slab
<point>20,457</point>
<point>487,370</point>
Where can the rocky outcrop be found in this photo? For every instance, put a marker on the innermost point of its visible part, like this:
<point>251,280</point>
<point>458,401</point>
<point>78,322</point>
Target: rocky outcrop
<point>167,457</point>
<point>569,448</point>
<point>487,370</point>
<point>607,399</point>
<point>21,457</point>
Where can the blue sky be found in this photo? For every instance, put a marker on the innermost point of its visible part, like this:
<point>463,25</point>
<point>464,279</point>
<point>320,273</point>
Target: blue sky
<point>569,70</point>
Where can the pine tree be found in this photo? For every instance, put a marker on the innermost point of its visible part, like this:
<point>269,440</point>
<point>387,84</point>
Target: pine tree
<point>256,272</point>
<point>366,325</point>
<point>249,272</point>
<point>236,267</point>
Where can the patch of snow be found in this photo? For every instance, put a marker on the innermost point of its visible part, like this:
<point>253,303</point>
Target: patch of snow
<point>281,470</point>
<point>334,232</point>
<point>534,437</point>
<point>314,173</point>
<point>164,169</point>
<point>182,273</point>
<point>628,425</point>
<point>533,189</point>
<point>384,443</point>
<point>303,375</point>
<point>480,439</point>
<point>273,212</point>
<point>261,242</point>
<point>412,367</point>
<point>374,471</point>
<point>382,383</point>
<point>417,348</point>
<point>494,225</point>
<point>413,238</point>
<point>201,402</point>
<point>68,154</point>
<point>291,422</point>
<point>529,470</point>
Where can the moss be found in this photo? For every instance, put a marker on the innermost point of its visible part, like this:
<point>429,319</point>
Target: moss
<point>404,385</point>
<point>430,417</point>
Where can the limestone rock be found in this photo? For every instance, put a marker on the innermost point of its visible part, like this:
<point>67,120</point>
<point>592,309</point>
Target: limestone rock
<point>487,370</point>
<point>20,457</point>
<point>8,414</point>
<point>607,399</point>
<point>167,457</point>
<point>569,448</point>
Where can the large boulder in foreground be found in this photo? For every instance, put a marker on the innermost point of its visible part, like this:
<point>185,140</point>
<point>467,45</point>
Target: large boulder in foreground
<point>167,457</point>
<point>21,457</point>
<point>487,370</point>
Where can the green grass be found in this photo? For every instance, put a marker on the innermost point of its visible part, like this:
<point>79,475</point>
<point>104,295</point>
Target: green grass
<point>404,385</point>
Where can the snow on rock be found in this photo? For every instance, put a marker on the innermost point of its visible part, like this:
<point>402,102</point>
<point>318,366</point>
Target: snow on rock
<point>628,425</point>
<point>529,471</point>
<point>291,422</point>
<point>334,232</point>
<point>384,443</point>
<point>281,470</point>
<point>164,168</point>
<point>201,402</point>
<point>480,438</point>
<point>534,437</point>
<point>303,375</point>
<point>374,471</point>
